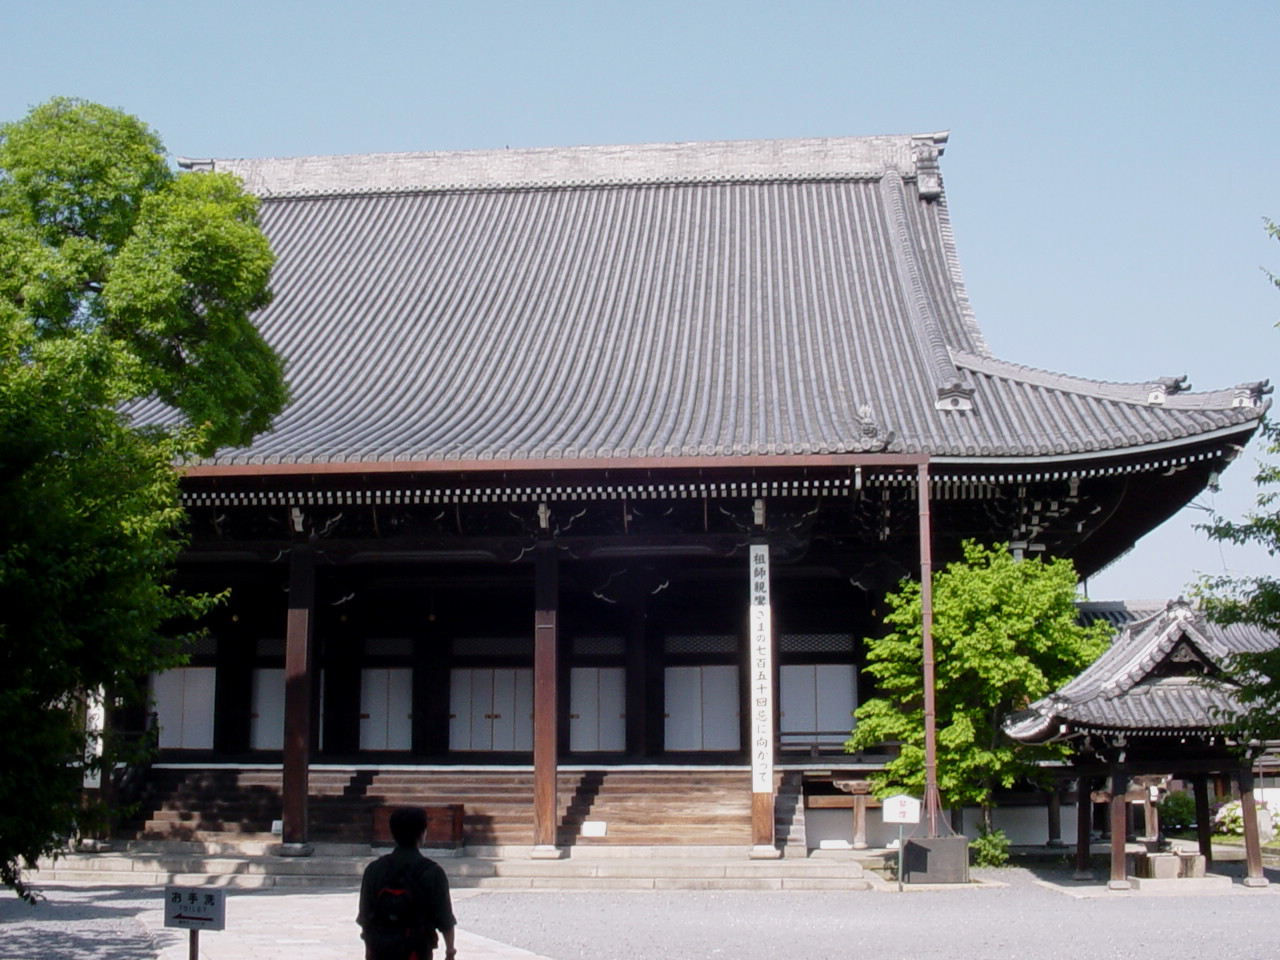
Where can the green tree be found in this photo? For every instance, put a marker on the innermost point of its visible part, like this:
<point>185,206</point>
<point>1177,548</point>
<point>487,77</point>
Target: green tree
<point>1253,600</point>
<point>1005,633</point>
<point>123,287</point>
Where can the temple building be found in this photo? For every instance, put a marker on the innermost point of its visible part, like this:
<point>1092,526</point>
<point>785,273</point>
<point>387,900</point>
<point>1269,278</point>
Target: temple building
<point>598,465</point>
<point>1157,704</point>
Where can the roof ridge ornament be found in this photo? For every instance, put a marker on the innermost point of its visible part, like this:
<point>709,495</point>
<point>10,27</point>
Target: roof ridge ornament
<point>954,396</point>
<point>926,150</point>
<point>1166,387</point>
<point>871,436</point>
<point>1251,394</point>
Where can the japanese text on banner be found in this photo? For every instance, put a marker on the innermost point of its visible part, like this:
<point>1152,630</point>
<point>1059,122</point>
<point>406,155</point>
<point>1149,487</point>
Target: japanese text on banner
<point>761,673</point>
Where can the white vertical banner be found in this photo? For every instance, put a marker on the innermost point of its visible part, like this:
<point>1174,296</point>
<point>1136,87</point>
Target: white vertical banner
<point>95,722</point>
<point>761,673</point>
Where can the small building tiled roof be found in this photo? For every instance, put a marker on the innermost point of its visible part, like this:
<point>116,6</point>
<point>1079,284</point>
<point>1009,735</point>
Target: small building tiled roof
<point>786,297</point>
<point>1162,675</point>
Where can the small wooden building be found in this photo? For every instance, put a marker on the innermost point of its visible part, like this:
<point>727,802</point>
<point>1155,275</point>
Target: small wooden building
<point>605,457</point>
<point>1155,703</point>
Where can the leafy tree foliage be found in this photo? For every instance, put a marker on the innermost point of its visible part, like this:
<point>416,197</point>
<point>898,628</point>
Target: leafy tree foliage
<point>1253,600</point>
<point>1005,633</point>
<point>121,283</point>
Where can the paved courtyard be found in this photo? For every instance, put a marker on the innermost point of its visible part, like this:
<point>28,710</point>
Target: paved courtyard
<point>1011,913</point>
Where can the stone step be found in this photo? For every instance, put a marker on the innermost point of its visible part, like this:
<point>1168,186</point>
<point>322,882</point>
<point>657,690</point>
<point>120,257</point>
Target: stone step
<point>644,868</point>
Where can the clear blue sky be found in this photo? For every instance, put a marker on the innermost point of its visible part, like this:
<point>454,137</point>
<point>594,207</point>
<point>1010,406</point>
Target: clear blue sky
<point>1109,167</point>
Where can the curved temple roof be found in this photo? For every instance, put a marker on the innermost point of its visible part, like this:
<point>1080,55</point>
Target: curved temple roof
<point>787,297</point>
<point>1151,680</point>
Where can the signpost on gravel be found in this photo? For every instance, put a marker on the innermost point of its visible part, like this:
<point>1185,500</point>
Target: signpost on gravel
<point>195,909</point>
<point>900,810</point>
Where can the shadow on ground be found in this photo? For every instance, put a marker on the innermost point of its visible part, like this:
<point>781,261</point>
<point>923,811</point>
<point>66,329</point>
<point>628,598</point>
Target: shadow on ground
<point>85,924</point>
<point>1060,869</point>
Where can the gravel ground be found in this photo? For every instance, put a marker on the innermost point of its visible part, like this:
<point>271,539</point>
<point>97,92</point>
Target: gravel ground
<point>1021,919</point>
<point>84,923</point>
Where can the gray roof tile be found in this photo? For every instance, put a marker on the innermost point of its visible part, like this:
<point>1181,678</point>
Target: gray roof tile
<point>1126,688</point>
<point>664,300</point>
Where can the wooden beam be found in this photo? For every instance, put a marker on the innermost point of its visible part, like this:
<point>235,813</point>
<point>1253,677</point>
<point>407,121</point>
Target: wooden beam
<point>637,677</point>
<point>545,698</point>
<point>932,799</point>
<point>761,821</point>
<point>1119,828</point>
<point>297,698</point>
<point>1204,825</point>
<point>1084,823</point>
<point>1252,841</point>
<point>1054,814</point>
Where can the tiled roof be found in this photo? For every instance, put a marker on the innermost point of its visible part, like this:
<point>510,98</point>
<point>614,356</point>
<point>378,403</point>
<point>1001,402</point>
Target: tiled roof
<point>1152,679</point>
<point>665,300</point>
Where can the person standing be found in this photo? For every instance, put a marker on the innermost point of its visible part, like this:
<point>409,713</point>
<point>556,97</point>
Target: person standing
<point>404,897</point>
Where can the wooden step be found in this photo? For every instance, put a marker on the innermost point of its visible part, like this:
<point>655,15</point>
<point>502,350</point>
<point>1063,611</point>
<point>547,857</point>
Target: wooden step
<point>680,807</point>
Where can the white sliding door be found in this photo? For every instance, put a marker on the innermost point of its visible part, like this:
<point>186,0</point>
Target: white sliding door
<point>597,709</point>
<point>386,708</point>
<point>491,710</point>
<point>702,708</point>
<point>183,700</point>
<point>817,703</point>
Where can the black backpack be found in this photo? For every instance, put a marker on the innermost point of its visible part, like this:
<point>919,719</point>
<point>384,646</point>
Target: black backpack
<point>396,930</point>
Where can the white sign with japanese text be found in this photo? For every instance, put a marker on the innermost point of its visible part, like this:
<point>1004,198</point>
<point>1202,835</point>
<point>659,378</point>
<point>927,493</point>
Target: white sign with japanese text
<point>195,908</point>
<point>761,673</point>
<point>900,809</point>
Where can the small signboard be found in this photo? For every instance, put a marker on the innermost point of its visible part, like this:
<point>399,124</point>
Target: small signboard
<point>195,908</point>
<point>900,809</point>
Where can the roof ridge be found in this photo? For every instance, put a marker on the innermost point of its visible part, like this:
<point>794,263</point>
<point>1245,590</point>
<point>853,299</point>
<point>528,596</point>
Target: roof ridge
<point>321,193</point>
<point>1154,638</point>
<point>1172,392</point>
<point>695,161</point>
<point>950,393</point>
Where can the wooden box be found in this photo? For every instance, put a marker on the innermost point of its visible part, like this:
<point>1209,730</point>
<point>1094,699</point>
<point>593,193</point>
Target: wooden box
<point>444,826</point>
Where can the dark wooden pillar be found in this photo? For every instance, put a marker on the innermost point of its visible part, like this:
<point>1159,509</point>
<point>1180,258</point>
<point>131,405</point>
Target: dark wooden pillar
<point>297,698</point>
<point>545,699</point>
<point>1119,828</point>
<point>637,661</point>
<point>426,661</point>
<point>1204,824</point>
<point>1084,827</point>
<point>1252,841</point>
<point>1054,814</point>
<point>235,657</point>
<point>436,664</point>
<point>344,660</point>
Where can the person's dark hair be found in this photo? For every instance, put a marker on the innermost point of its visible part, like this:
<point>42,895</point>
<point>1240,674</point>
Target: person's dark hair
<point>408,824</point>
